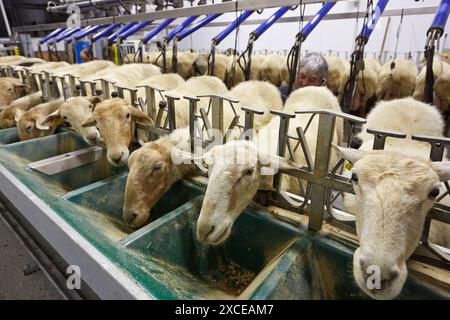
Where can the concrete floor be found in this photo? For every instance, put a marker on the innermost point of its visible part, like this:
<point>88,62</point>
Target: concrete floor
<point>20,275</point>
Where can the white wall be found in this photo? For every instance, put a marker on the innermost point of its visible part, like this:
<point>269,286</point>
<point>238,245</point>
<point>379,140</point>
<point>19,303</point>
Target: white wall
<point>337,35</point>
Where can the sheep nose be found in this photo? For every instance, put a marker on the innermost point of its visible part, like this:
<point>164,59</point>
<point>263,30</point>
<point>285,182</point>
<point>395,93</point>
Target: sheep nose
<point>130,217</point>
<point>381,276</point>
<point>117,156</point>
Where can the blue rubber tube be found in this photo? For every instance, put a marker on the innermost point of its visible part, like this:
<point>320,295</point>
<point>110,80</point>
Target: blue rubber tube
<point>51,35</point>
<point>105,32</point>
<point>77,33</point>
<point>121,31</point>
<point>91,30</point>
<point>188,31</point>
<point>269,22</point>
<point>373,19</point>
<point>180,28</point>
<point>157,30</point>
<point>66,34</point>
<point>441,17</point>
<point>218,39</point>
<point>135,29</point>
<point>317,18</point>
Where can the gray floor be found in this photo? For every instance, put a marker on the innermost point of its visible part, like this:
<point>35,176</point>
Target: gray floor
<point>20,275</point>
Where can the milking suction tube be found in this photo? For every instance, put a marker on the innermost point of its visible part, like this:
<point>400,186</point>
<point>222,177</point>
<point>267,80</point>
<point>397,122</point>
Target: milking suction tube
<point>301,37</point>
<point>105,32</point>
<point>357,58</point>
<point>254,36</point>
<point>47,38</point>
<point>172,35</point>
<point>222,35</point>
<point>434,33</point>
<point>187,32</point>
<point>128,33</point>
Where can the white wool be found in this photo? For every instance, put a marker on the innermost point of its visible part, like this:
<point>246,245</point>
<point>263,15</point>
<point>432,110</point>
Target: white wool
<point>273,69</point>
<point>397,79</point>
<point>338,70</point>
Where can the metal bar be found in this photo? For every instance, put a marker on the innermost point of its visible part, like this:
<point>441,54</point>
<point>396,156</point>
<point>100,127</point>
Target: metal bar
<point>88,31</point>
<point>5,19</point>
<point>373,19</point>
<point>105,32</point>
<point>160,16</point>
<point>321,163</point>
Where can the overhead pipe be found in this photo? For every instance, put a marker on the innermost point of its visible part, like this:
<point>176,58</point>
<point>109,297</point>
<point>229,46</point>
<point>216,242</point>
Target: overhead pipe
<point>222,35</point>
<point>357,57</point>
<point>135,29</point>
<point>155,31</point>
<point>434,34</point>
<point>187,32</point>
<point>112,37</point>
<point>255,36</point>
<point>51,35</point>
<point>301,36</point>
<point>77,33</point>
<point>91,30</point>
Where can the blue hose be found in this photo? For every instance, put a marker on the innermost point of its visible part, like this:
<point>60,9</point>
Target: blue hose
<point>441,17</point>
<point>186,32</point>
<point>51,35</point>
<point>91,30</point>
<point>157,30</point>
<point>317,18</point>
<point>135,29</point>
<point>218,39</point>
<point>269,22</point>
<point>180,28</point>
<point>66,34</point>
<point>373,19</point>
<point>105,32</point>
<point>121,31</point>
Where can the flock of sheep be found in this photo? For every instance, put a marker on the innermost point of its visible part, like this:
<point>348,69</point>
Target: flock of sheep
<point>394,188</point>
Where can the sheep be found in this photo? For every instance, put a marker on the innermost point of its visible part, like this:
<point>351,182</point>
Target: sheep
<point>152,171</point>
<point>9,59</point>
<point>167,81</point>
<point>127,75</point>
<point>27,62</point>
<point>11,89</point>
<point>74,111</point>
<point>394,190</point>
<point>273,69</point>
<point>200,65</point>
<point>114,117</point>
<point>49,66</point>
<point>8,114</point>
<point>446,57</point>
<point>397,79</point>
<point>441,85</point>
<point>235,75</point>
<point>29,123</point>
<point>338,70</point>
<point>239,168</point>
<point>151,174</point>
<point>185,62</point>
<point>366,88</point>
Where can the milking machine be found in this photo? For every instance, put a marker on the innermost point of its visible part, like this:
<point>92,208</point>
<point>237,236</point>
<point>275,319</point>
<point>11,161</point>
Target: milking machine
<point>185,33</point>
<point>221,36</point>
<point>97,46</point>
<point>149,36</point>
<point>111,50</point>
<point>170,37</point>
<point>126,34</point>
<point>294,54</point>
<point>245,59</point>
<point>47,38</point>
<point>357,58</point>
<point>434,35</point>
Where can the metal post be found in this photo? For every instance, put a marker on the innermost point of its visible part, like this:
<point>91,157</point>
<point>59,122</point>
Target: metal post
<point>5,18</point>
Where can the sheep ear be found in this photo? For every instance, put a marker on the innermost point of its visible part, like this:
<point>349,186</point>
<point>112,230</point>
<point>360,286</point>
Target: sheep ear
<point>89,122</point>
<point>94,100</point>
<point>442,168</point>
<point>53,119</point>
<point>140,117</point>
<point>19,114</point>
<point>271,164</point>
<point>349,154</point>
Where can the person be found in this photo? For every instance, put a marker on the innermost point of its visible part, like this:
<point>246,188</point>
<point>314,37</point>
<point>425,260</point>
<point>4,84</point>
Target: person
<point>313,71</point>
<point>86,54</point>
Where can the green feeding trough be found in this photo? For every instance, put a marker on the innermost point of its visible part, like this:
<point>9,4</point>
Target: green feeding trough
<point>8,136</point>
<point>78,208</point>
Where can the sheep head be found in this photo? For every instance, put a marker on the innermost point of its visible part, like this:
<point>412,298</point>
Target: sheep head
<point>394,193</point>
<point>11,89</point>
<point>74,111</point>
<point>236,171</point>
<point>114,120</point>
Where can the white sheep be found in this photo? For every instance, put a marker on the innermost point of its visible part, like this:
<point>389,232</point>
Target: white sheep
<point>9,114</point>
<point>200,65</point>
<point>8,59</point>
<point>273,69</point>
<point>441,84</point>
<point>235,75</point>
<point>239,168</point>
<point>394,190</point>
<point>338,71</point>
<point>397,79</point>
<point>114,118</point>
<point>152,168</point>
<point>27,62</point>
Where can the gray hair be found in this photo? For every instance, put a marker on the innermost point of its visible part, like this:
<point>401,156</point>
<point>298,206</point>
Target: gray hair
<point>314,63</point>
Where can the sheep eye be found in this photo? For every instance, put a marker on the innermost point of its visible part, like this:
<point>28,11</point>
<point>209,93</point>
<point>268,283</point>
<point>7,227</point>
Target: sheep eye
<point>433,193</point>
<point>128,116</point>
<point>29,128</point>
<point>95,122</point>
<point>157,166</point>
<point>91,106</point>
<point>354,177</point>
<point>249,172</point>
<point>64,117</point>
